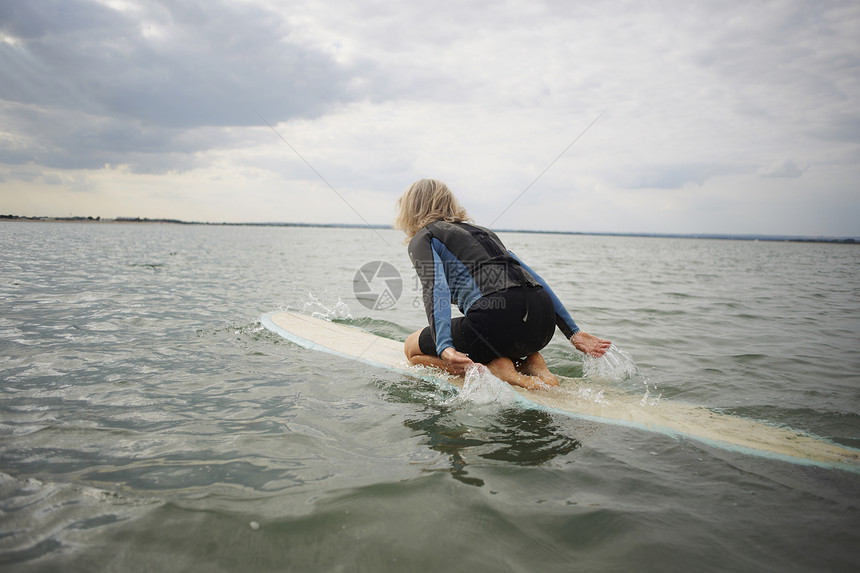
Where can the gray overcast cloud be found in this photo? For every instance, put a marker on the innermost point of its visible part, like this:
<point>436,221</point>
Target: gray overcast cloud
<point>728,117</point>
<point>105,86</point>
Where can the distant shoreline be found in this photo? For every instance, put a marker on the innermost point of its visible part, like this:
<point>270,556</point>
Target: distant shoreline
<point>718,236</point>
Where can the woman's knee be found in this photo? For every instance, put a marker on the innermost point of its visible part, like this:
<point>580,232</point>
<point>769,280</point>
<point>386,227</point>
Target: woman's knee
<point>411,347</point>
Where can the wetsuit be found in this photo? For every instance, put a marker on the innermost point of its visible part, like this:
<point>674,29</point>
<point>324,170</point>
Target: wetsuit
<point>509,311</point>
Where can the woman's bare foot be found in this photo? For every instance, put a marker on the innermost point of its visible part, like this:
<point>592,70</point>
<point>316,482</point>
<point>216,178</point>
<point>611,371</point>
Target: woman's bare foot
<point>534,365</point>
<point>503,369</point>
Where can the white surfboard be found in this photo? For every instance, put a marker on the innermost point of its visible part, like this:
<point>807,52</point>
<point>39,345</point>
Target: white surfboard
<point>581,399</point>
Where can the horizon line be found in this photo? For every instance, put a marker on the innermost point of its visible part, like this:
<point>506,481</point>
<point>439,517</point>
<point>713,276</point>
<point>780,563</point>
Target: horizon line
<point>843,239</point>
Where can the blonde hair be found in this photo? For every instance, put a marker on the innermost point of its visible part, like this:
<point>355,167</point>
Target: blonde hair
<point>424,202</point>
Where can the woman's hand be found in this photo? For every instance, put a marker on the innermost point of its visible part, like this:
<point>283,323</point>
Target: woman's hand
<point>590,344</point>
<point>457,361</point>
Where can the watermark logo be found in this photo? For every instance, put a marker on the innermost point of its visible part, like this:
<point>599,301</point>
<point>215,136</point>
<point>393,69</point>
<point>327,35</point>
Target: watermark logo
<point>377,285</point>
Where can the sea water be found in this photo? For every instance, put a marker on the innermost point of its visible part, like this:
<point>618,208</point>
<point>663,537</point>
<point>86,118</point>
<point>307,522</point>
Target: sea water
<point>149,422</point>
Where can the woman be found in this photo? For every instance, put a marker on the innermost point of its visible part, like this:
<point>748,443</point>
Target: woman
<point>510,313</point>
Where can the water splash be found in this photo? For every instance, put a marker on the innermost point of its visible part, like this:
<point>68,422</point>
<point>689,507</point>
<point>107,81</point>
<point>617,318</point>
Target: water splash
<point>648,399</point>
<point>330,311</point>
<point>480,387</point>
<point>614,366</point>
<point>617,366</point>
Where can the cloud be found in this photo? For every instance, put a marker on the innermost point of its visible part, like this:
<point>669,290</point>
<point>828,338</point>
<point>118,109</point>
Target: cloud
<point>793,66</point>
<point>674,176</point>
<point>783,168</point>
<point>166,64</point>
<point>101,85</point>
<point>709,108</point>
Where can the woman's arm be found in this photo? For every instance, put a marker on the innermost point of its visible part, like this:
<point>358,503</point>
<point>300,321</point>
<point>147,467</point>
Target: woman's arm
<point>562,318</point>
<point>435,290</point>
<point>582,341</point>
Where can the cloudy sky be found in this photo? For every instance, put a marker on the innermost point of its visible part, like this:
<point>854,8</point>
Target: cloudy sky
<point>691,117</point>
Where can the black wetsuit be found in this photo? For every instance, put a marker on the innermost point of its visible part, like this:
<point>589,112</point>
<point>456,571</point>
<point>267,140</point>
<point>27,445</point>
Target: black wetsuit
<point>509,310</point>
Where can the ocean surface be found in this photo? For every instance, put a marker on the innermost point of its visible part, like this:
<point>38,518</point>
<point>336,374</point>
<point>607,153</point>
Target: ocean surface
<point>148,422</point>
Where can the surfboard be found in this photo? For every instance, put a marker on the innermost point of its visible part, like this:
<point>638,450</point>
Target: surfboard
<point>580,398</point>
